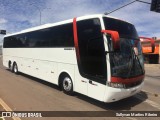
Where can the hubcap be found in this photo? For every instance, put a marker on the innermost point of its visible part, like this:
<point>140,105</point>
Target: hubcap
<point>67,84</point>
<point>15,68</point>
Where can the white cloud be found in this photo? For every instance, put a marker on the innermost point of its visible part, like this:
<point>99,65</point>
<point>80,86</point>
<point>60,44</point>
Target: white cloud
<point>146,22</point>
<point>18,15</point>
<point>2,21</point>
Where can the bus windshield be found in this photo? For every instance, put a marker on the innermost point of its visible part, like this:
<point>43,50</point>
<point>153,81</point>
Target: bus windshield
<point>128,60</point>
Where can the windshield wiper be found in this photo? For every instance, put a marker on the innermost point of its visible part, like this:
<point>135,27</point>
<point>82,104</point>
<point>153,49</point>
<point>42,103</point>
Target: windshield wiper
<point>136,57</point>
<point>138,61</point>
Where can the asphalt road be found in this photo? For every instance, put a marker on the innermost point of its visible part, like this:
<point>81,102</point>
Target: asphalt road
<point>152,78</point>
<point>25,93</point>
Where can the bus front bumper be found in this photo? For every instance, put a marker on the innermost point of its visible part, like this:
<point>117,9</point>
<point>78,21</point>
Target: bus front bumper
<point>116,94</point>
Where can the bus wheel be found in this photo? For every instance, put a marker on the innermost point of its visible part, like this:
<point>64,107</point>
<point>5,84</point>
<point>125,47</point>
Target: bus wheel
<point>67,85</point>
<point>10,65</point>
<point>15,68</point>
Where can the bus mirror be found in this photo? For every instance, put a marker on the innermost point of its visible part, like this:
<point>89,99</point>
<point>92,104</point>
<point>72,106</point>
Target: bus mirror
<point>115,38</point>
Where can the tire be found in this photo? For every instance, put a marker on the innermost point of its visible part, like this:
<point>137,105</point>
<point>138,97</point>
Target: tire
<point>67,85</point>
<point>10,66</point>
<point>15,68</point>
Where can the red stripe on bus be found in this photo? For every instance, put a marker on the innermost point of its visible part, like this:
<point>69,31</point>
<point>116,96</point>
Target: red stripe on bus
<point>76,38</point>
<point>127,80</point>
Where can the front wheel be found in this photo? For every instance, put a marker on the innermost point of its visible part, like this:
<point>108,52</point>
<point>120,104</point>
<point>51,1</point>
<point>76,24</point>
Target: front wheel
<point>15,68</point>
<point>67,85</point>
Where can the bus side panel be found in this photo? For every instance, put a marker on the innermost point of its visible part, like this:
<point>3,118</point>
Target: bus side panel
<point>94,88</point>
<point>81,83</point>
<point>7,57</point>
<point>5,61</point>
<point>67,68</point>
<point>45,70</point>
<point>40,69</point>
<point>41,62</point>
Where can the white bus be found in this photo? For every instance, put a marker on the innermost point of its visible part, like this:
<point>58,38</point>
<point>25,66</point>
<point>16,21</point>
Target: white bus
<point>95,55</point>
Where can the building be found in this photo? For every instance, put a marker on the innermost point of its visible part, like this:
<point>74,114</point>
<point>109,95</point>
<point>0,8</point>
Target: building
<point>151,50</point>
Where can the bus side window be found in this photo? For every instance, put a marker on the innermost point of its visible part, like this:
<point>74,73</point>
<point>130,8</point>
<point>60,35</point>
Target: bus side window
<point>62,36</point>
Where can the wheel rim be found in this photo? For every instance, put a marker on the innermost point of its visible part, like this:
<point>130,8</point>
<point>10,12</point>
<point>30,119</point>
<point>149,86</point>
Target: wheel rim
<point>15,68</point>
<point>67,84</point>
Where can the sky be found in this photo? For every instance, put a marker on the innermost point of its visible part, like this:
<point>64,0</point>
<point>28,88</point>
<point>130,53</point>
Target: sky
<point>17,15</point>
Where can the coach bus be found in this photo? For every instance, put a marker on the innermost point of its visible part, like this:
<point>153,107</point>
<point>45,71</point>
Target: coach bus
<point>95,55</point>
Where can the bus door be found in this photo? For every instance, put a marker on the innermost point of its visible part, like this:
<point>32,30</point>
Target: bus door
<point>92,58</point>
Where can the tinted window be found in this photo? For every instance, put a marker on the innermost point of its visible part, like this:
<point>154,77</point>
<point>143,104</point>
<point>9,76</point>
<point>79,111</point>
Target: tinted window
<point>62,36</point>
<point>58,36</point>
<point>91,48</point>
<point>7,42</point>
<point>13,42</point>
<point>126,30</point>
<point>40,38</point>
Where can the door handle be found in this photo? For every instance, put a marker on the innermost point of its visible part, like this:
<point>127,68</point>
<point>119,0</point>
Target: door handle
<point>90,81</point>
<point>83,81</point>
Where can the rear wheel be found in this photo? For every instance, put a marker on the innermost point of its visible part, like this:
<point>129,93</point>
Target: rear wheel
<point>15,68</point>
<point>67,85</point>
<point>10,65</point>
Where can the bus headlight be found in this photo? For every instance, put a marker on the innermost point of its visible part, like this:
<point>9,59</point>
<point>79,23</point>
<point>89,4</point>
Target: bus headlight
<point>116,85</point>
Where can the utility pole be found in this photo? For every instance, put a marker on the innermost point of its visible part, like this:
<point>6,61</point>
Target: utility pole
<point>40,12</point>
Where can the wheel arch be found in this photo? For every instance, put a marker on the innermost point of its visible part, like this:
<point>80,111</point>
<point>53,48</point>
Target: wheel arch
<point>14,62</point>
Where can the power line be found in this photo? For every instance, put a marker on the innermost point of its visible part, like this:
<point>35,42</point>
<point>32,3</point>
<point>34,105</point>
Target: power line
<point>143,1</point>
<point>106,13</point>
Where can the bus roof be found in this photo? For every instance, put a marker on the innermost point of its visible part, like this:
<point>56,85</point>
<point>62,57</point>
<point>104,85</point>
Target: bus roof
<point>60,23</point>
